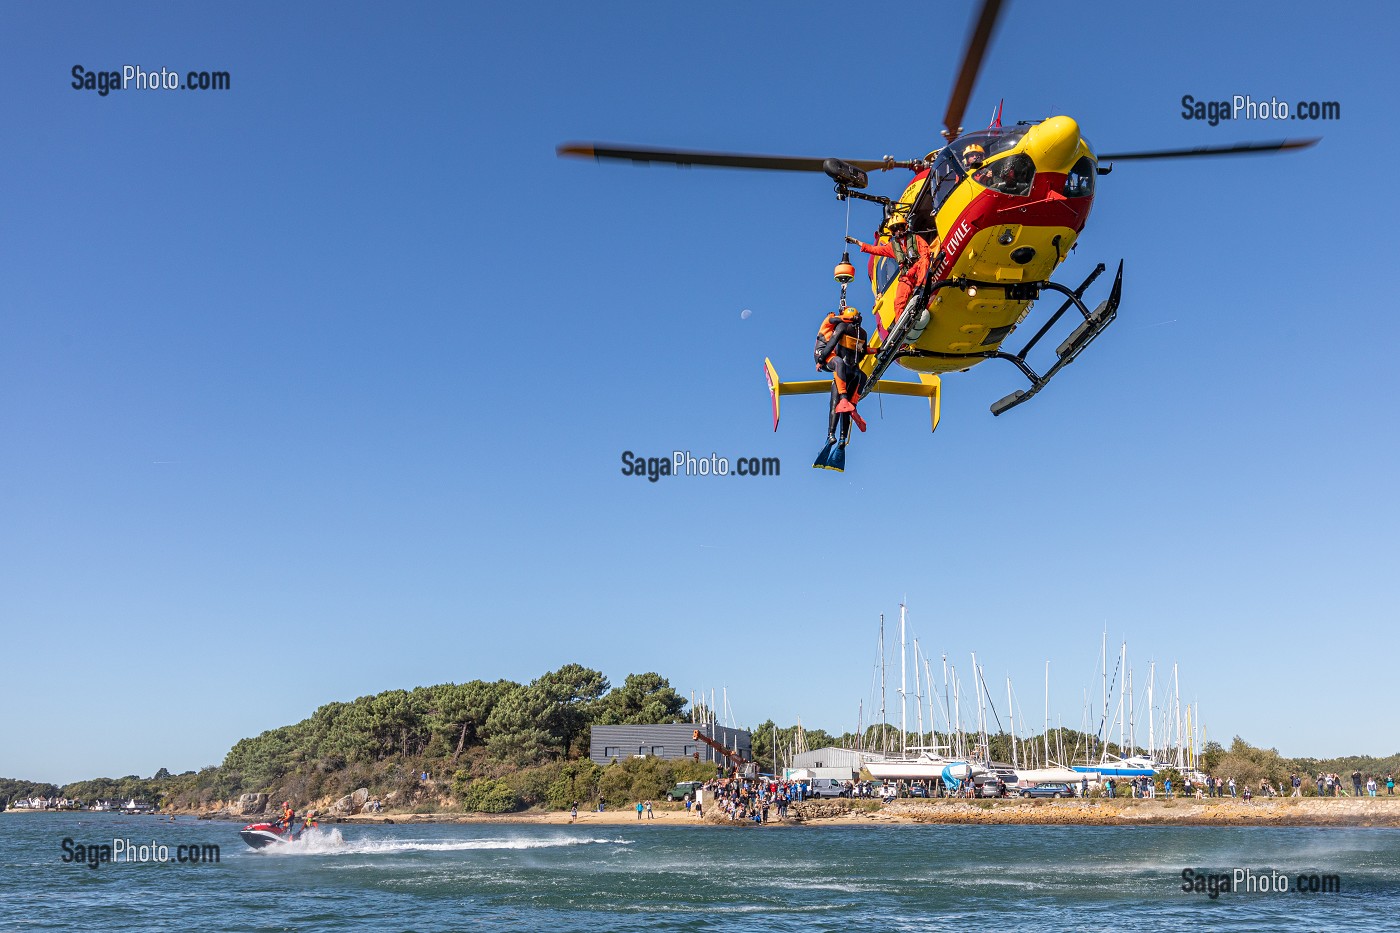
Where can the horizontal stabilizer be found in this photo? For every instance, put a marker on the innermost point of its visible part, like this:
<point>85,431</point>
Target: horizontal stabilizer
<point>929,387</point>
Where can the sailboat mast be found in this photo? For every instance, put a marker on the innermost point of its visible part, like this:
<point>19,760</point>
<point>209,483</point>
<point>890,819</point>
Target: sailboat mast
<point>903,704</point>
<point>918,697</point>
<point>1011,711</point>
<point>957,710</point>
<point>1122,663</point>
<point>1176,698</point>
<point>1151,711</point>
<point>884,744</point>
<point>1132,723</point>
<point>1103,655</point>
<point>1047,714</point>
<point>932,723</point>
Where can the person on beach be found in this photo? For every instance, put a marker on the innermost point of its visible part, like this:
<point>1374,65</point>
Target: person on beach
<point>1371,785</point>
<point>1167,787</point>
<point>1356,782</point>
<point>573,813</point>
<point>1231,782</point>
<point>1247,795</point>
<point>1297,785</point>
<point>1389,784</point>
<point>651,814</point>
<point>639,809</point>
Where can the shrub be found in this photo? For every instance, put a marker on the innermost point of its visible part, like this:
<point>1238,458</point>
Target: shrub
<point>489,796</point>
<point>575,782</point>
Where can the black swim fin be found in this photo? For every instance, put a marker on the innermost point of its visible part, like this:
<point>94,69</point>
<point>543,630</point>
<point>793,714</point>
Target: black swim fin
<point>820,462</point>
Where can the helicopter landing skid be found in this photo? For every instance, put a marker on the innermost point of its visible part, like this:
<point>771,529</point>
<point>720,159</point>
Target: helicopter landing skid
<point>1095,323</point>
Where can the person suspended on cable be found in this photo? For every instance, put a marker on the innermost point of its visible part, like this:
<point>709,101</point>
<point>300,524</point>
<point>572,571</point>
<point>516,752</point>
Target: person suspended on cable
<point>841,345</point>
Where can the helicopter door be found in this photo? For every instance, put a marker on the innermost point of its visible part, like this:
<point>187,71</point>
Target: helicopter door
<point>944,178</point>
<point>922,219</point>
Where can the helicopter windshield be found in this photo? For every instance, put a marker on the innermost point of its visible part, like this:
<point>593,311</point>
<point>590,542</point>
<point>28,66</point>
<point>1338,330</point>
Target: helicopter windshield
<point>1011,175</point>
<point>993,141</point>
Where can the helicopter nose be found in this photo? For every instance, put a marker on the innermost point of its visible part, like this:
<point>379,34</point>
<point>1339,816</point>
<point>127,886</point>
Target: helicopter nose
<point>1052,144</point>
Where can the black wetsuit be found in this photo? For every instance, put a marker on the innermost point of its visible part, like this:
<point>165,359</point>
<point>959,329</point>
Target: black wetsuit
<point>840,354</point>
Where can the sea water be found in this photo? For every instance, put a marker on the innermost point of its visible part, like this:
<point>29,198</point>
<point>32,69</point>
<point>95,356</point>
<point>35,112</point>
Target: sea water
<point>656,877</point>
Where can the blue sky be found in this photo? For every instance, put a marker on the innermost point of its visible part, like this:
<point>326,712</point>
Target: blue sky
<point>317,387</point>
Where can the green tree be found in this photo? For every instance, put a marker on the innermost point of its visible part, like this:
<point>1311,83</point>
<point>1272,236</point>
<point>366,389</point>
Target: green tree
<point>642,698</point>
<point>459,712</point>
<point>570,695</point>
<point>514,732</point>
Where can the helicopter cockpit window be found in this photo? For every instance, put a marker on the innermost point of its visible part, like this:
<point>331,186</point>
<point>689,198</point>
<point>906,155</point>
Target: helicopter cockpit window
<point>1011,175</point>
<point>1079,183</point>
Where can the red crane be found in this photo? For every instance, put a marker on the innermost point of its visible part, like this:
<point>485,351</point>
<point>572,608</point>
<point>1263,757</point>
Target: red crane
<point>741,766</point>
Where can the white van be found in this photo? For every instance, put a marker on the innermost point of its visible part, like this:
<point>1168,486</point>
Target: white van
<point>828,787</point>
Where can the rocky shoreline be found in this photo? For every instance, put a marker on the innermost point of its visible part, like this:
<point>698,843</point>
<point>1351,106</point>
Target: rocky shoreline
<point>1363,812</point>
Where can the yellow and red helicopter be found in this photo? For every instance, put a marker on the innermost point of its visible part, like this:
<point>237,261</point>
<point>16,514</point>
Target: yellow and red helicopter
<point>999,209</point>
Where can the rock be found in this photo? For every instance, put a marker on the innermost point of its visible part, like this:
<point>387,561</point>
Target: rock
<point>351,804</point>
<point>251,804</point>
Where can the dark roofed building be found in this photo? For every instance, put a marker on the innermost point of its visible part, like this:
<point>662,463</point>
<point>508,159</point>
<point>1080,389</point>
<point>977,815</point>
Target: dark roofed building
<point>671,741</point>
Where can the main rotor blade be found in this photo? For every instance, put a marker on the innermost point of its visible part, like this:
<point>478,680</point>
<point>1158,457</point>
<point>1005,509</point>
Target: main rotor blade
<point>971,64</point>
<point>1274,145</point>
<point>602,151</point>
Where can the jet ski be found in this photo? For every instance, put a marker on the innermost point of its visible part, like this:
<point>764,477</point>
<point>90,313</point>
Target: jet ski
<point>261,835</point>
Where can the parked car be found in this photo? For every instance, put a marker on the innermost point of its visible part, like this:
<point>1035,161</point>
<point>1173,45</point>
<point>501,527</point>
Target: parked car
<point>829,787</point>
<point>916,790</point>
<point>996,787</point>
<point>1048,789</point>
<point>683,789</point>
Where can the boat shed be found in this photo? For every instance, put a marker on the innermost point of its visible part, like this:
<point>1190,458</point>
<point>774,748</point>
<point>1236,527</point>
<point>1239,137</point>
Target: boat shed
<point>670,740</point>
<point>842,764</point>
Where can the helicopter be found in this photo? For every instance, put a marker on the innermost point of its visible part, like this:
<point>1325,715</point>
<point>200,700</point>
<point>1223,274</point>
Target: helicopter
<point>995,211</point>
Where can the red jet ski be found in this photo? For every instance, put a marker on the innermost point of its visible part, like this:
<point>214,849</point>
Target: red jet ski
<point>261,835</point>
